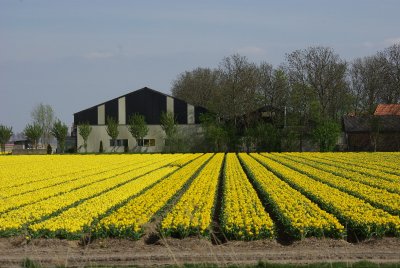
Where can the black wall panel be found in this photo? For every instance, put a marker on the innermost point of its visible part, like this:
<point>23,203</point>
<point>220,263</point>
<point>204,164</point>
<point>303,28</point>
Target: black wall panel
<point>197,112</point>
<point>148,103</point>
<point>180,111</point>
<point>111,109</point>
<point>86,116</point>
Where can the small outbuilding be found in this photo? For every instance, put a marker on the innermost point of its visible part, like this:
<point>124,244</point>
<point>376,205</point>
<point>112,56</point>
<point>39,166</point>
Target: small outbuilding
<point>370,133</point>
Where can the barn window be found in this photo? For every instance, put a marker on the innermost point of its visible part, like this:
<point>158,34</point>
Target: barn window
<point>146,142</point>
<point>121,142</point>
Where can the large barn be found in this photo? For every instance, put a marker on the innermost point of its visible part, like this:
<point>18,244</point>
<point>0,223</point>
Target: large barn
<point>147,102</point>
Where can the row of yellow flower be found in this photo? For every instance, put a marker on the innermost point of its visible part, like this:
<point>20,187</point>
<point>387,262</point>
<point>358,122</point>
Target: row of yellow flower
<point>17,200</point>
<point>326,165</point>
<point>378,197</point>
<point>79,219</point>
<point>375,164</point>
<point>361,217</point>
<point>192,214</point>
<point>130,219</point>
<point>44,167</point>
<point>62,183</point>
<point>243,215</point>
<point>14,220</point>
<point>299,215</point>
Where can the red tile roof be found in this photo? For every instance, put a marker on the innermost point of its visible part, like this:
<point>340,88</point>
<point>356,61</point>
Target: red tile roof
<point>387,109</point>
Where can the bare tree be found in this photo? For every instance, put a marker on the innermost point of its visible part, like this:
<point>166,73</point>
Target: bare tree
<point>237,94</point>
<point>366,83</point>
<point>323,72</point>
<point>266,84</point>
<point>43,115</point>
<point>196,87</point>
<point>390,59</point>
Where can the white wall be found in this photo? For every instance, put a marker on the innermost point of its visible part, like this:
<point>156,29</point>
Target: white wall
<point>101,111</point>
<point>99,133</point>
<point>121,111</point>
<point>170,105</point>
<point>190,114</point>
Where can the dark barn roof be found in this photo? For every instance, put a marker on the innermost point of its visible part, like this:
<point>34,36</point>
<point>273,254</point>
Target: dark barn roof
<point>357,124</point>
<point>145,101</point>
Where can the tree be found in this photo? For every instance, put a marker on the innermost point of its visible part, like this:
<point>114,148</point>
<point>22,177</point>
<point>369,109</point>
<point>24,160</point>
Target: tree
<point>5,135</point>
<point>375,128</point>
<point>138,127</point>
<point>101,150</point>
<point>84,131</point>
<point>168,124</point>
<point>112,130</point>
<point>60,132</point>
<point>43,115</point>
<point>323,72</point>
<point>237,94</point>
<point>367,83</point>
<point>197,87</point>
<point>33,133</point>
<point>326,134</point>
<point>215,132</point>
<point>390,59</point>
<point>267,138</point>
<point>265,83</point>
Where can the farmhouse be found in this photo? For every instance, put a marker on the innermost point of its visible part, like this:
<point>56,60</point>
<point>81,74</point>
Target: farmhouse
<point>147,102</point>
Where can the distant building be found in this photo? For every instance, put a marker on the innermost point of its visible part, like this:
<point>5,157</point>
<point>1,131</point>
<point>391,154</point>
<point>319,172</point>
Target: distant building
<point>147,102</point>
<point>362,132</point>
<point>387,109</point>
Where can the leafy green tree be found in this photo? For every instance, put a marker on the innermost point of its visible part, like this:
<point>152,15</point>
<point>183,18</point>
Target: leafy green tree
<point>101,149</point>
<point>112,130</point>
<point>138,127</point>
<point>168,124</point>
<point>33,133</point>
<point>268,138</point>
<point>326,134</point>
<point>85,130</point>
<point>60,132</point>
<point>215,133</point>
<point>5,135</point>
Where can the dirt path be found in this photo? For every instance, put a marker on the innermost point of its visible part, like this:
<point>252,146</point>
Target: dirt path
<point>51,252</point>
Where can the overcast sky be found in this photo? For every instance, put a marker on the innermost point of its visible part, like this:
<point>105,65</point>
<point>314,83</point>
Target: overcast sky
<point>76,54</point>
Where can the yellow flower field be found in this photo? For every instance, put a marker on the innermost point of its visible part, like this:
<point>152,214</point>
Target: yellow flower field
<point>235,196</point>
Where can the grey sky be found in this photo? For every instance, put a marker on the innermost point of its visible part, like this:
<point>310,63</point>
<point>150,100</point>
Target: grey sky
<point>76,54</point>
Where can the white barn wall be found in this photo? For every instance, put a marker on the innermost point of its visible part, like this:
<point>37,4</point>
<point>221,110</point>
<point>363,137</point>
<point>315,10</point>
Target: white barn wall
<point>99,133</point>
<point>101,114</point>
<point>121,111</point>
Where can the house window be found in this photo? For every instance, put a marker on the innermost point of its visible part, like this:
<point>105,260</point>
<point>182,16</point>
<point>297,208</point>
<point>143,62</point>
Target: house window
<point>146,142</point>
<point>120,142</point>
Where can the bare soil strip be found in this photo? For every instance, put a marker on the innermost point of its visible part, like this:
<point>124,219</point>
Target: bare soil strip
<point>52,252</point>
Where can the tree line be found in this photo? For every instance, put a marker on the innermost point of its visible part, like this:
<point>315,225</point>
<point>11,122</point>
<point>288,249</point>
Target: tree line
<point>313,87</point>
<point>43,127</point>
<point>311,90</point>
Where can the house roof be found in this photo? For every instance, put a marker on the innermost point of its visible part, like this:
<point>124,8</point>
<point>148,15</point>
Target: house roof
<point>387,109</point>
<point>142,89</point>
<point>387,123</point>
